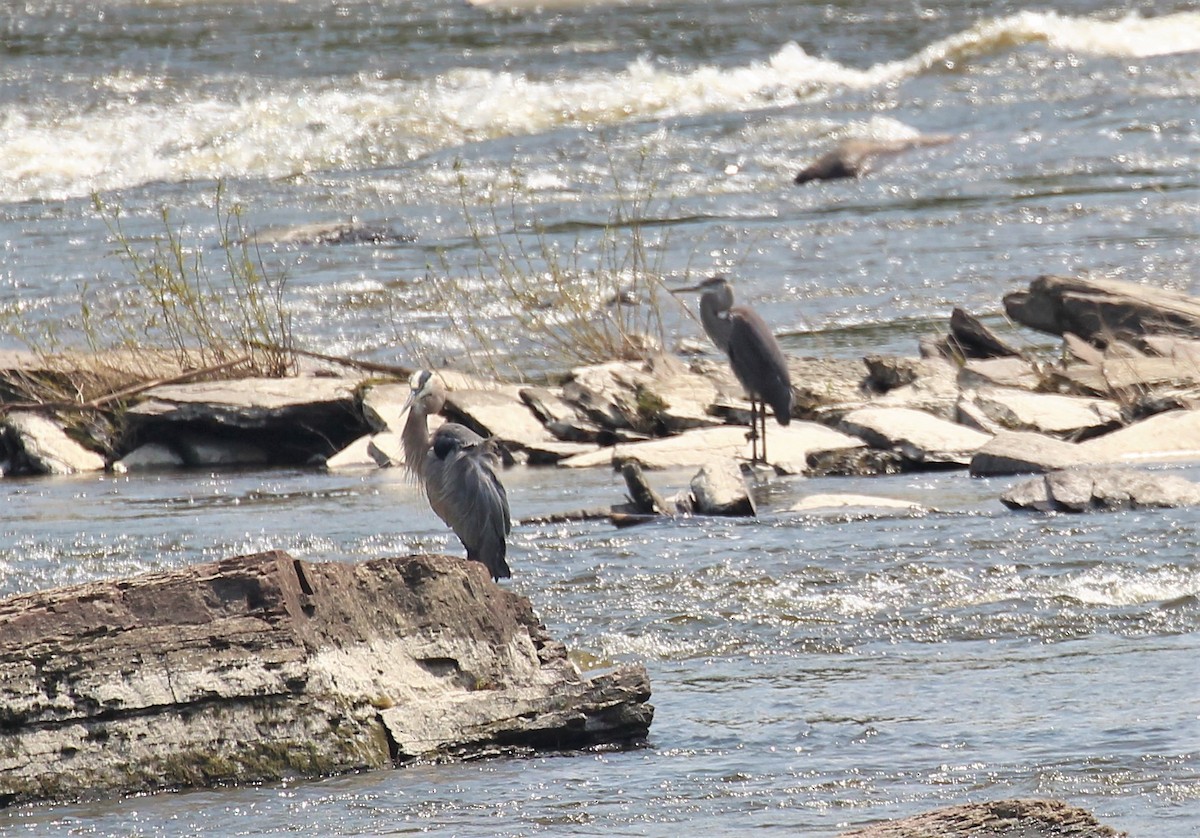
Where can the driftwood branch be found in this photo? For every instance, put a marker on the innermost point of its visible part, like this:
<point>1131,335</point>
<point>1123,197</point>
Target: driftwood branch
<point>101,402</point>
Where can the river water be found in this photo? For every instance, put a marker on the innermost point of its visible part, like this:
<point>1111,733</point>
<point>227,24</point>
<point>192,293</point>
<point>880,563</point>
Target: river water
<point>810,673</point>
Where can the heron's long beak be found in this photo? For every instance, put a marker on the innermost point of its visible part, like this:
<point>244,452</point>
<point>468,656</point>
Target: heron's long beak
<point>685,289</point>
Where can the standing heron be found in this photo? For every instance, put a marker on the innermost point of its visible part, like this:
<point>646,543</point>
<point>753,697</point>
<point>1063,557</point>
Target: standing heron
<point>757,361</point>
<point>456,469</point>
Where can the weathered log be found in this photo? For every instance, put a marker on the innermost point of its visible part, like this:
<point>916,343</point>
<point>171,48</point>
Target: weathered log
<point>257,667</point>
<point>1028,818</point>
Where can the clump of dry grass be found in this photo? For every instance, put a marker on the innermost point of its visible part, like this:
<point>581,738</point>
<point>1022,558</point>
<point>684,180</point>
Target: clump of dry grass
<point>179,318</point>
<point>577,303</point>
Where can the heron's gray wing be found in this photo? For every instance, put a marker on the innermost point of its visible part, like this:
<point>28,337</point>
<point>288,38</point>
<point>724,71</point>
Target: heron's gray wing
<point>465,492</point>
<point>758,361</point>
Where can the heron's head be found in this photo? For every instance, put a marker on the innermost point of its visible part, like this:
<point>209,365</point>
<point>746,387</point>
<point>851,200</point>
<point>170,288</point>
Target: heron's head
<point>427,391</point>
<point>715,284</point>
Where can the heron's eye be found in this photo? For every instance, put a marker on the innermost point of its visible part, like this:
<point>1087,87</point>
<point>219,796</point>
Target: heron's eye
<point>419,380</point>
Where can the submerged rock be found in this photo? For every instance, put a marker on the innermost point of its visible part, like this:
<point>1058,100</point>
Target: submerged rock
<point>853,158</point>
<point>259,667</point>
<point>830,502</point>
<point>1016,818</point>
<point>1101,488</point>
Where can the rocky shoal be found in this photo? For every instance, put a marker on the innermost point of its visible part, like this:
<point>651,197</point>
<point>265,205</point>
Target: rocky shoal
<point>1121,392</point>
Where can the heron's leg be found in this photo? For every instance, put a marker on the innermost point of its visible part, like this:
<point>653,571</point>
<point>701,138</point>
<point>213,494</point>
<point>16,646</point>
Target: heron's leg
<point>755,409</point>
<point>762,419</point>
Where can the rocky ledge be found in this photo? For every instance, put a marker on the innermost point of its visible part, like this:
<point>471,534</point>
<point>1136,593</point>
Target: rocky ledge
<point>1120,390</point>
<point>264,666</point>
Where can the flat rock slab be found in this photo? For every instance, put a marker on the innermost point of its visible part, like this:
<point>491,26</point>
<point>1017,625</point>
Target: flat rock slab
<point>290,420</point>
<point>919,436</point>
<point>258,667</point>
<point>999,372</point>
<point>1017,818</point>
<point>1024,452</point>
<point>1046,413</point>
<point>1127,376</point>
<point>1101,488</point>
<point>1174,435</point>
<point>788,448</point>
<point>501,413</point>
<point>834,502</point>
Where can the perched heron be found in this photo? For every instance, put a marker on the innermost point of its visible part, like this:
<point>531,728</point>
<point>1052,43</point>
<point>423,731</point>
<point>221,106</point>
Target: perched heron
<point>456,468</point>
<point>757,361</point>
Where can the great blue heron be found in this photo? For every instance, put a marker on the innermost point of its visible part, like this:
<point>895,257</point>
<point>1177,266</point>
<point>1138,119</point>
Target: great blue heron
<point>456,469</point>
<point>753,352</point>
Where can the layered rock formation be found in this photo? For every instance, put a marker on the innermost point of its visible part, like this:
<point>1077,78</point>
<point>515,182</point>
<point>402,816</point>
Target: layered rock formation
<point>264,666</point>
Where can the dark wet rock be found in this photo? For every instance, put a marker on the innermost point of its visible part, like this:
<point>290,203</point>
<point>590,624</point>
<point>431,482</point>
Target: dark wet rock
<point>857,462</point>
<point>1015,818</point>
<point>920,437</point>
<point>33,443</point>
<point>854,158</point>
<point>643,499</point>
<point>1101,488</point>
<point>971,338</point>
<point>1103,310</point>
<point>260,667</point>
<point>288,420</point>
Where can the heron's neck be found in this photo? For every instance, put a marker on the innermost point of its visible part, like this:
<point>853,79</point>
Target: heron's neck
<point>415,439</point>
<point>715,320</point>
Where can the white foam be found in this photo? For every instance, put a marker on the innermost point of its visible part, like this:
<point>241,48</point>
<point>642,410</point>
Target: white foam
<point>54,150</point>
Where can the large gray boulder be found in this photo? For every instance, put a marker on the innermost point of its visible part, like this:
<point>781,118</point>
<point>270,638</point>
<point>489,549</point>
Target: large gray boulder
<point>259,667</point>
<point>1101,488</point>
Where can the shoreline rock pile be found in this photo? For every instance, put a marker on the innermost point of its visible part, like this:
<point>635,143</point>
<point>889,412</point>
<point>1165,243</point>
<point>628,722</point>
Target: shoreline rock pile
<point>1122,392</point>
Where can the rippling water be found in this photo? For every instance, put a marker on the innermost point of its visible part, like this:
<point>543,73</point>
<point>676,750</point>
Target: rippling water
<point>810,672</point>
